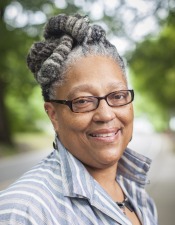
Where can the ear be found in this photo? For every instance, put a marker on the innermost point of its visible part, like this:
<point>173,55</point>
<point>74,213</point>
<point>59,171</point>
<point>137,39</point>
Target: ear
<point>52,114</point>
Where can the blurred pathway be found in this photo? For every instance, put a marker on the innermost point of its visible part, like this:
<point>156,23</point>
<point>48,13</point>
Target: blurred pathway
<point>162,173</point>
<point>160,149</point>
<point>11,168</point>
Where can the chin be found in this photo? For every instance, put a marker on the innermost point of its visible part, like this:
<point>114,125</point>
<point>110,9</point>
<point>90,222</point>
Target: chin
<point>111,157</point>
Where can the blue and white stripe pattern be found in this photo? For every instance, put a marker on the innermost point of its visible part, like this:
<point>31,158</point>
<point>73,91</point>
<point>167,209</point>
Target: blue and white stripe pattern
<point>60,191</point>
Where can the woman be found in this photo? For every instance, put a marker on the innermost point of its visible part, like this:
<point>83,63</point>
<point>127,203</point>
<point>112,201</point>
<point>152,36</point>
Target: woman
<point>91,177</point>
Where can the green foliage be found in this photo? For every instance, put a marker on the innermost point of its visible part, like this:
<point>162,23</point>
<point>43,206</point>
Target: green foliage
<point>18,81</point>
<point>153,74</point>
<point>24,113</point>
<point>152,61</point>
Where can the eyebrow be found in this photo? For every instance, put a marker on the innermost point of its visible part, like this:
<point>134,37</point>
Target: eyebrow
<point>82,87</point>
<point>87,87</point>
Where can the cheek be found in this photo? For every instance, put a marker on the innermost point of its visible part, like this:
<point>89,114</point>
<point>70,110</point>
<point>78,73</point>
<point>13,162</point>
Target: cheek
<point>130,118</point>
<point>72,131</point>
<point>131,114</point>
<point>71,122</point>
<point>126,116</point>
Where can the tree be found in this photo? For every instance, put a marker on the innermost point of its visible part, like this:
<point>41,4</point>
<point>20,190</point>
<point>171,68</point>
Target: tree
<point>13,44</point>
<point>153,73</point>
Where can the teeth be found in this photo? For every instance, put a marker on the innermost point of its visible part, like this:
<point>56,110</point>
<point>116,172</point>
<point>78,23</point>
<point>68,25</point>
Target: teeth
<point>103,135</point>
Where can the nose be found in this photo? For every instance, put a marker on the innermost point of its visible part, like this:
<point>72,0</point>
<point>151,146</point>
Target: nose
<point>104,113</point>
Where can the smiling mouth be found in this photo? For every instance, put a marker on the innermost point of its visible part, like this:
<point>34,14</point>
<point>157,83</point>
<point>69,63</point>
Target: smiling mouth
<point>104,135</point>
<point>108,135</point>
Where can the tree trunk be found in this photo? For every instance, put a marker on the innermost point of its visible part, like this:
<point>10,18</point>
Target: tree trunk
<point>5,134</point>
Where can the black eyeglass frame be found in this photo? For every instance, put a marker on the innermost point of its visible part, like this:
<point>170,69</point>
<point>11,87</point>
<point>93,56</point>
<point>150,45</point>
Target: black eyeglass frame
<point>69,102</point>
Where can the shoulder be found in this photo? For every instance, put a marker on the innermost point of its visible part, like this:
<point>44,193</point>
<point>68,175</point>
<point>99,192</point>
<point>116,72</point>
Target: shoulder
<point>29,198</point>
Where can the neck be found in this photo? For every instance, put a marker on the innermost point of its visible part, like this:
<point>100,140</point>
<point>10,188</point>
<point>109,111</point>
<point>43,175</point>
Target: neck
<point>107,179</point>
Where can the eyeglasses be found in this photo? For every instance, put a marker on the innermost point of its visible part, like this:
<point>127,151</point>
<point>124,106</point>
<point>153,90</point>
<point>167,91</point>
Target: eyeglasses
<point>89,103</point>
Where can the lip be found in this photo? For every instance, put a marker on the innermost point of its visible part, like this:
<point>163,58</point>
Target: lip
<point>105,135</point>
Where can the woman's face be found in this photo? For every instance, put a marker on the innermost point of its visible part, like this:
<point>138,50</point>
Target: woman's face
<point>97,138</point>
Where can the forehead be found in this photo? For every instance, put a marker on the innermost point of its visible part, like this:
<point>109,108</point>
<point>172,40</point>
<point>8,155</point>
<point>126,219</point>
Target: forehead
<point>93,74</point>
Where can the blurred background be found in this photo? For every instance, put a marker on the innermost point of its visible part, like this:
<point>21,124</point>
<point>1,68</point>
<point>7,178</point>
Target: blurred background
<point>144,33</point>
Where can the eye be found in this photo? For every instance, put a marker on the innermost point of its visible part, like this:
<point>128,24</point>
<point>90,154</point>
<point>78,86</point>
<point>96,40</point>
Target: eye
<point>119,95</point>
<point>82,102</point>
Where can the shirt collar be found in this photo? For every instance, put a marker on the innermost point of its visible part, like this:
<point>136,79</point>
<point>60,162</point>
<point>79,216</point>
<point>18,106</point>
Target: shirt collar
<point>134,166</point>
<point>77,182</point>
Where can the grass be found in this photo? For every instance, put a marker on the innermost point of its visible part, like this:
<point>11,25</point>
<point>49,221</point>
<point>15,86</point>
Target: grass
<point>24,142</point>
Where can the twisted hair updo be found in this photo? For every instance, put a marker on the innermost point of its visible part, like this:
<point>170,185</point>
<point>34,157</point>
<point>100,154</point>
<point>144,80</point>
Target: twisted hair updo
<point>67,38</point>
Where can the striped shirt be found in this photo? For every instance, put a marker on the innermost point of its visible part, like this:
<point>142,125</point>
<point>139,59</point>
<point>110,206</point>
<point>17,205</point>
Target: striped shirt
<point>60,191</point>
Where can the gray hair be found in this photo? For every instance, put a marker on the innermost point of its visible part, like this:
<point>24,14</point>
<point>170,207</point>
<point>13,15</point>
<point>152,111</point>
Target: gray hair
<point>67,38</point>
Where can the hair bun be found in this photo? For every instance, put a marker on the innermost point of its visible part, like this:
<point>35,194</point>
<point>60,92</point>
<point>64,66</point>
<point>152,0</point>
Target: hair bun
<point>55,26</point>
<point>97,33</point>
<point>62,34</point>
<point>76,26</point>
